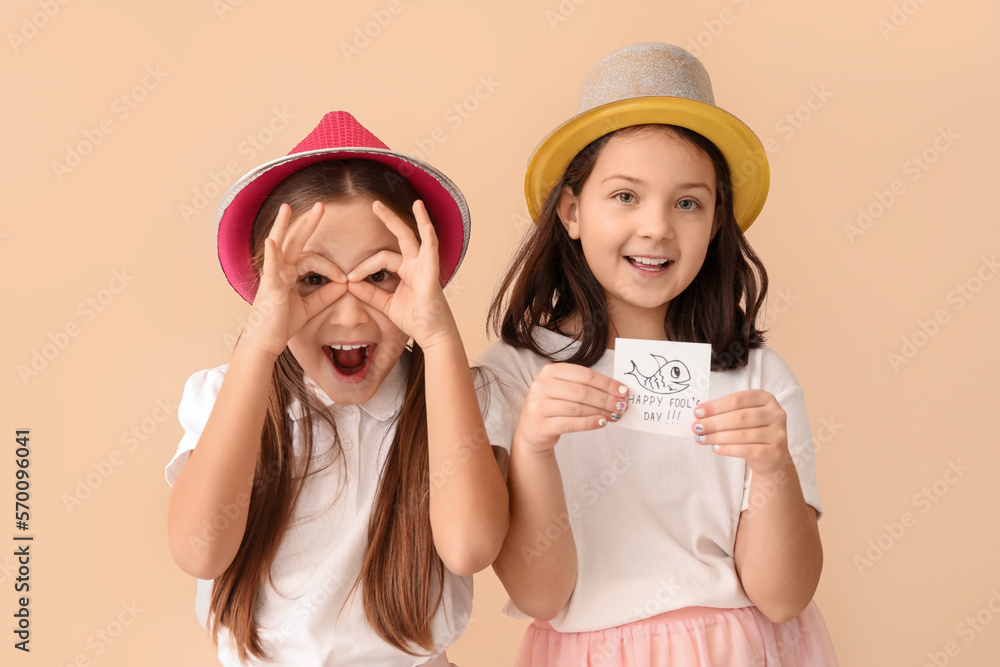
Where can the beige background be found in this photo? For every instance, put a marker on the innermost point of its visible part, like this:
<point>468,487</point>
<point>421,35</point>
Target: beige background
<point>903,572</point>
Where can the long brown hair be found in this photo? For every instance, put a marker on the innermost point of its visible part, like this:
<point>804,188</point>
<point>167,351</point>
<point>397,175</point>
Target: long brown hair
<point>401,575</point>
<point>550,284</point>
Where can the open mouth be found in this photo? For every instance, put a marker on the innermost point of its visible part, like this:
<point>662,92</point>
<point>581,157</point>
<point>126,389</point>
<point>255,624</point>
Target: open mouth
<point>649,264</point>
<point>350,361</point>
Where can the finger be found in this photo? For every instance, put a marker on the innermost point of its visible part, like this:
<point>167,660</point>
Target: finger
<point>371,295</point>
<point>280,225</point>
<point>584,375</point>
<point>428,242</point>
<point>383,260</point>
<point>300,230</point>
<point>564,425</point>
<point>736,401</point>
<point>408,244</point>
<point>315,263</point>
<point>318,300</point>
<point>737,419</point>
<point>555,408</point>
<point>270,269</point>
<point>737,437</point>
<point>739,451</point>
<point>271,280</point>
<point>582,394</point>
<point>425,226</point>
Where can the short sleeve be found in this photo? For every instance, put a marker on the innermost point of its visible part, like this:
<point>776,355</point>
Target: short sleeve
<point>493,406</point>
<point>778,378</point>
<point>197,401</point>
<point>509,381</point>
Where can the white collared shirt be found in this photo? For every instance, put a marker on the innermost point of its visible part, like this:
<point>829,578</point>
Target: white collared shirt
<point>321,553</point>
<point>654,517</point>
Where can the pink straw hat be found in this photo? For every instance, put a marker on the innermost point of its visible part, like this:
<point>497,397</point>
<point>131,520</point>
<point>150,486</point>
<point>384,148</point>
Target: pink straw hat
<point>337,137</point>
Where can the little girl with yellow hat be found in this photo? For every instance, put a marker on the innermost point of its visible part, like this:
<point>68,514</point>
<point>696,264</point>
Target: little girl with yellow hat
<point>630,548</point>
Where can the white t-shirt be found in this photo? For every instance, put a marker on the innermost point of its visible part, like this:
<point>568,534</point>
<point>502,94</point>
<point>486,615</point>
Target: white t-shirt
<point>321,553</point>
<point>653,517</point>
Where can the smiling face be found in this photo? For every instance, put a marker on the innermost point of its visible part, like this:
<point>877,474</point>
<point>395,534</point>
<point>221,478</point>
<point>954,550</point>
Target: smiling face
<point>349,348</point>
<point>644,219</point>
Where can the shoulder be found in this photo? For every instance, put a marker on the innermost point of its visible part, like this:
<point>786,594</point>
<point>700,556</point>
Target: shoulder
<point>200,392</point>
<point>202,387</point>
<point>206,377</point>
<point>512,367</point>
<point>497,353</point>
<point>505,359</point>
<point>775,374</point>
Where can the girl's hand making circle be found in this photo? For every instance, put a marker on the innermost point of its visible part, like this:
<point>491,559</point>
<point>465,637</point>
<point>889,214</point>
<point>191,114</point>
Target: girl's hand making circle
<point>417,305</point>
<point>750,424</point>
<point>567,398</point>
<point>282,310</point>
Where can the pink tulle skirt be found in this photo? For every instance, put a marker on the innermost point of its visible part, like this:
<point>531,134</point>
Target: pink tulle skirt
<point>691,637</point>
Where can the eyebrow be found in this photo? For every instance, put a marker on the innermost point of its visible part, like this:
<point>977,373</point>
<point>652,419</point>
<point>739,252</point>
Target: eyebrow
<point>639,181</point>
<point>630,179</point>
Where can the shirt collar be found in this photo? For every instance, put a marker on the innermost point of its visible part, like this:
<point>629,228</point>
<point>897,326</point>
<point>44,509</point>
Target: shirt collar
<point>383,405</point>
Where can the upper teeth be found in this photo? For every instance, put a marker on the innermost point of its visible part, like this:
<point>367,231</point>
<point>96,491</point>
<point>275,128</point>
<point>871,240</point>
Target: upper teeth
<point>347,347</point>
<point>649,261</point>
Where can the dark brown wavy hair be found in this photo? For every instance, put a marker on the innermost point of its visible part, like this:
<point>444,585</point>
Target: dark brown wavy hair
<point>401,575</point>
<point>549,283</point>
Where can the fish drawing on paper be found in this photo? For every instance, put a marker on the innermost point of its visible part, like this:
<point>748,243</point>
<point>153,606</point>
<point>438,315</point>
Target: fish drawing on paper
<point>670,377</point>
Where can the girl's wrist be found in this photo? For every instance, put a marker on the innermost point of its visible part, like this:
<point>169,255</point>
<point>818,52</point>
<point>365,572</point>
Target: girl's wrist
<point>247,352</point>
<point>526,449</point>
<point>447,339</point>
<point>781,471</point>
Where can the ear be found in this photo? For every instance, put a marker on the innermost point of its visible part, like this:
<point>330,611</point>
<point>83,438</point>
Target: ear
<point>568,211</point>
<point>716,225</point>
<point>717,220</point>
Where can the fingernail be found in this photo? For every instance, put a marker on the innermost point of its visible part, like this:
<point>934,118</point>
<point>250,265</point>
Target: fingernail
<point>616,416</point>
<point>620,406</point>
<point>699,412</point>
<point>699,438</point>
<point>698,428</point>
<point>602,422</point>
<point>622,390</point>
<point>715,448</point>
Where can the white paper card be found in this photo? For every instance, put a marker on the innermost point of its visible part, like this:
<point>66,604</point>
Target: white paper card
<point>665,380</point>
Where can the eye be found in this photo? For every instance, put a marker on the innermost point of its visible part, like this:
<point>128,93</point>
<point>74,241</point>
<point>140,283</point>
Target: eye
<point>675,372</point>
<point>386,281</point>
<point>688,204</point>
<point>313,279</point>
<point>625,197</point>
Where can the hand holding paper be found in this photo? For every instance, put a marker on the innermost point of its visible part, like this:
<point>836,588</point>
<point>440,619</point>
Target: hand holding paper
<point>666,380</point>
<point>749,424</point>
<point>567,398</point>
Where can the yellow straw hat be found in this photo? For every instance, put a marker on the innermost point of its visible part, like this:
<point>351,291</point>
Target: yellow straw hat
<point>645,83</point>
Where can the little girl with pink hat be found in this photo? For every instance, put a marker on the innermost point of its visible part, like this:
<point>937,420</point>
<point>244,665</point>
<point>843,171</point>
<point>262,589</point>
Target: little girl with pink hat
<point>336,488</point>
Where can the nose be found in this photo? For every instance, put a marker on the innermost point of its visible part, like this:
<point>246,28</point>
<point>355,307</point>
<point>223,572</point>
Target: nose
<point>348,311</point>
<point>657,223</point>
